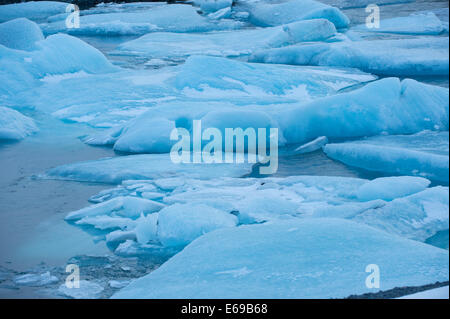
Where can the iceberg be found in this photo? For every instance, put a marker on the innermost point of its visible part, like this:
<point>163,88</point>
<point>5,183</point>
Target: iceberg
<point>267,13</point>
<point>33,10</point>
<point>403,107</point>
<point>35,280</point>
<point>14,125</point>
<point>422,154</point>
<point>170,18</point>
<point>398,57</point>
<point>245,261</point>
<point>163,45</point>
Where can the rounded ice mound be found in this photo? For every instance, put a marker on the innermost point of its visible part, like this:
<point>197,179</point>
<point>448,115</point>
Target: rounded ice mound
<point>33,10</point>
<point>14,125</point>
<point>209,6</point>
<point>20,34</point>
<point>389,188</point>
<point>180,224</point>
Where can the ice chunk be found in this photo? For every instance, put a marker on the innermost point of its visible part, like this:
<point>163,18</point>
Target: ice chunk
<point>130,207</point>
<point>86,290</point>
<point>35,280</point>
<point>339,257</point>
<point>152,166</point>
<point>153,137</point>
<point>389,188</point>
<point>14,125</point>
<point>20,34</point>
<point>209,6</point>
<point>163,45</point>
<point>170,18</point>
<point>312,146</point>
<point>271,14</point>
<point>402,57</point>
<point>147,228</point>
<point>107,222</point>
<point>33,10</point>
<point>118,284</point>
<point>419,23</point>
<point>436,293</point>
<point>180,224</point>
<point>424,154</point>
<point>403,107</point>
<point>417,216</point>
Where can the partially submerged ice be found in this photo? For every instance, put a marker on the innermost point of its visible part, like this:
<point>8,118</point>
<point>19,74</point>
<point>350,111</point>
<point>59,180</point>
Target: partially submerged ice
<point>151,166</point>
<point>14,125</point>
<point>169,17</point>
<point>399,57</point>
<point>227,43</point>
<point>140,216</point>
<point>272,13</point>
<point>422,154</point>
<point>33,10</point>
<point>415,24</point>
<point>321,258</point>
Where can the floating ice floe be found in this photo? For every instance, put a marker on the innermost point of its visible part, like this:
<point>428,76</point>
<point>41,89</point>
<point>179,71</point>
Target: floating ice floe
<point>418,24</point>
<point>188,208</point>
<point>33,10</point>
<point>423,154</point>
<point>400,57</point>
<point>320,258</point>
<point>169,17</point>
<point>152,166</point>
<point>404,107</point>
<point>14,125</point>
<point>270,13</point>
<point>312,146</point>
<point>86,290</point>
<point>227,43</point>
<point>35,280</point>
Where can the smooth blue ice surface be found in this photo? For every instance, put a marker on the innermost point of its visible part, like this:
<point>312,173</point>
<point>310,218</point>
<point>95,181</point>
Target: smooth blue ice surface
<point>422,154</point>
<point>405,57</point>
<point>320,258</point>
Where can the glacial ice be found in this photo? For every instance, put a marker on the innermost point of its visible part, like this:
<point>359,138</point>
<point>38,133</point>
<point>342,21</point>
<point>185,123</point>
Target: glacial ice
<point>151,166</point>
<point>179,224</point>
<point>240,262</point>
<point>208,6</point>
<point>33,10</point>
<point>192,207</point>
<point>170,18</point>
<point>267,13</point>
<point>312,146</point>
<point>20,34</point>
<point>352,114</point>
<point>422,154</point>
<point>389,188</point>
<point>14,125</point>
<point>35,280</point>
<point>399,57</point>
<point>86,290</point>
<point>163,45</point>
<point>417,216</point>
<point>416,24</point>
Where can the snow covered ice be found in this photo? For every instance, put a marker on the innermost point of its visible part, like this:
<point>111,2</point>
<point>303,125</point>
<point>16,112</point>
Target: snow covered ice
<point>361,116</point>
